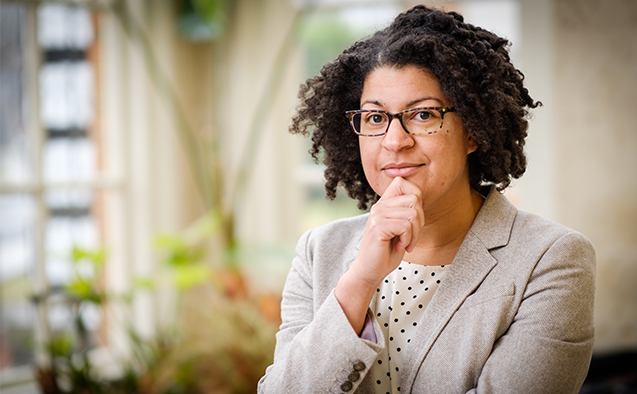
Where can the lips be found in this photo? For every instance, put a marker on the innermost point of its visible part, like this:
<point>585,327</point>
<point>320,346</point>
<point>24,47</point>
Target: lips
<point>400,169</point>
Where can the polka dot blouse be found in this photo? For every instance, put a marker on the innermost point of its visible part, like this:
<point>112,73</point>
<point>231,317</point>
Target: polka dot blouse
<point>400,303</point>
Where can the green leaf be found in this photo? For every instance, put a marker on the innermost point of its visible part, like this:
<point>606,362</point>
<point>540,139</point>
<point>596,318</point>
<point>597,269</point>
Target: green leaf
<point>209,10</point>
<point>201,20</point>
<point>190,275</point>
<point>78,288</point>
<point>144,283</point>
<point>203,228</point>
<point>169,242</point>
<point>177,251</point>
<point>60,346</point>
<point>97,257</point>
<point>84,291</point>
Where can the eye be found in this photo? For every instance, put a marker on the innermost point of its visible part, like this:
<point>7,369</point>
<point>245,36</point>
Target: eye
<point>423,115</point>
<point>374,119</point>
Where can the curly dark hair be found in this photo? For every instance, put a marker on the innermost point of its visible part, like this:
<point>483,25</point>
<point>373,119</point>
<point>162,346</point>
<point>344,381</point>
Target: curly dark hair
<point>474,70</point>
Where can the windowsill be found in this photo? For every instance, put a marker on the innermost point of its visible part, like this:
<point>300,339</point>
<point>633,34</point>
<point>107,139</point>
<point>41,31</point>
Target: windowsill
<point>19,380</point>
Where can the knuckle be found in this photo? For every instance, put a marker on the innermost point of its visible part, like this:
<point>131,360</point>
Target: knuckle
<point>414,202</point>
<point>373,222</point>
<point>374,210</point>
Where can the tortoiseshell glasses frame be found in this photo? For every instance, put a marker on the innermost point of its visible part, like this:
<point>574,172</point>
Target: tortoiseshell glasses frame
<point>415,121</point>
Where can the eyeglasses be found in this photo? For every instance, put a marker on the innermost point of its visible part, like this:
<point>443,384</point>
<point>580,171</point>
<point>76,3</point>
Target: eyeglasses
<point>375,122</point>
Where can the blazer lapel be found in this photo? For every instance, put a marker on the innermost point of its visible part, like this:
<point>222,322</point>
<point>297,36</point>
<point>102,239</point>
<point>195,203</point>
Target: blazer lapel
<point>472,264</point>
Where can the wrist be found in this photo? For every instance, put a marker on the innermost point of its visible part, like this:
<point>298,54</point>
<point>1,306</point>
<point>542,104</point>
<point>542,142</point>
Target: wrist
<point>354,297</point>
<point>355,287</point>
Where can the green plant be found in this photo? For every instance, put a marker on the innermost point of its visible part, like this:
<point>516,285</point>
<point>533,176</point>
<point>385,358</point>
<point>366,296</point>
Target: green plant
<point>221,341</point>
<point>201,20</point>
<point>69,369</point>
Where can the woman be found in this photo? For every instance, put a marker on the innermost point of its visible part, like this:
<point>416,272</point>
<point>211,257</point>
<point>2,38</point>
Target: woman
<point>444,287</point>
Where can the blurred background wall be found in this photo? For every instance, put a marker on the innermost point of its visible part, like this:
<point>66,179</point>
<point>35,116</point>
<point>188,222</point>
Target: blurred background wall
<point>128,119</point>
<point>596,67</point>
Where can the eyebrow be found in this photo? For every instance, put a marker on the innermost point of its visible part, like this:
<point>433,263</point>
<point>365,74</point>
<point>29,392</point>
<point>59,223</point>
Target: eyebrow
<point>409,104</point>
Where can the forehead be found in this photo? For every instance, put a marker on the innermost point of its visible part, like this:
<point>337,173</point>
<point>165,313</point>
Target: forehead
<point>401,86</point>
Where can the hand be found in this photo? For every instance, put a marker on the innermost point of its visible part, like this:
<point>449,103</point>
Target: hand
<point>392,229</point>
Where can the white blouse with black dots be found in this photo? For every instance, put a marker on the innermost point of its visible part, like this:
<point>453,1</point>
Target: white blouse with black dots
<point>401,301</point>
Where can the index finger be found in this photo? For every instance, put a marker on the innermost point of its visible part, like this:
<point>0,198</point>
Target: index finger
<point>402,187</point>
<point>399,186</point>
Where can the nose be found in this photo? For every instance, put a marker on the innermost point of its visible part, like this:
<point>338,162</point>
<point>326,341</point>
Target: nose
<point>397,137</point>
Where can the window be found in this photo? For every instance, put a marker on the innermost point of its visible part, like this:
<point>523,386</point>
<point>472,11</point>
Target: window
<point>53,179</point>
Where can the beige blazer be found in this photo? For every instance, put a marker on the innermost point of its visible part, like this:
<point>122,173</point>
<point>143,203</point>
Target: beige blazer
<point>513,315</point>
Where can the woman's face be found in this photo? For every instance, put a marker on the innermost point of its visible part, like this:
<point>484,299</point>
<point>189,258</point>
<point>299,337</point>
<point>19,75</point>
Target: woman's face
<point>436,163</point>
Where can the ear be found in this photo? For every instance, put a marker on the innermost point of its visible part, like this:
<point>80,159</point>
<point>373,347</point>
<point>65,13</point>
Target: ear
<point>471,145</point>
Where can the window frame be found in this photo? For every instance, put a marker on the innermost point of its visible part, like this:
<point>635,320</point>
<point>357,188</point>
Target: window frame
<point>106,183</point>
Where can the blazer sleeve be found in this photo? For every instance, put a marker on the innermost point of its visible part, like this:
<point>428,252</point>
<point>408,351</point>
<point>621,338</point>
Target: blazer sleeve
<point>548,347</point>
<point>317,350</point>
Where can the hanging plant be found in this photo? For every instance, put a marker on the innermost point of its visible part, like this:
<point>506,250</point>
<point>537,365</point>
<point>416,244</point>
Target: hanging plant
<point>201,20</point>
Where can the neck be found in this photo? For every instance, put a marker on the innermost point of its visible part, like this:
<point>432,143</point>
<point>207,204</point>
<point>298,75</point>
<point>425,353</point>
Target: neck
<point>445,228</point>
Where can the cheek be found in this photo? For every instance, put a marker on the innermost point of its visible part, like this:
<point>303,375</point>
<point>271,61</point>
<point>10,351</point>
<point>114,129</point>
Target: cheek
<point>369,159</point>
<point>364,152</point>
<point>469,146</point>
<point>448,160</point>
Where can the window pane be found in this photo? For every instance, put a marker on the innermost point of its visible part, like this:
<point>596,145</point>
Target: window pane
<point>15,156</point>
<point>66,89</point>
<point>70,225</point>
<point>66,159</point>
<point>66,83</point>
<point>73,225</point>
<point>64,27</point>
<point>17,265</point>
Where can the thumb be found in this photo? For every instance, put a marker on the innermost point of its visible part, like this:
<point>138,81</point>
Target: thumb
<point>399,186</point>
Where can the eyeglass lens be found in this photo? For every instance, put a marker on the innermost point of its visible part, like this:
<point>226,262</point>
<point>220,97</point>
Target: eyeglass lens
<point>416,121</point>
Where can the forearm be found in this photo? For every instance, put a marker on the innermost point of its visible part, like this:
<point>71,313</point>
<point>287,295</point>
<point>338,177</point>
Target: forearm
<point>318,356</point>
<point>392,229</point>
<point>354,297</point>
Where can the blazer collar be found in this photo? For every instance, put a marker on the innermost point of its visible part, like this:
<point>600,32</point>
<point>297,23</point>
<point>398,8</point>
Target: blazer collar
<point>492,226</point>
<point>473,262</point>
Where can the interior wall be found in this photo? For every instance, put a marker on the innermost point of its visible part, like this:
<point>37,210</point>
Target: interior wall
<point>537,189</point>
<point>256,50</point>
<point>580,60</point>
<point>596,96</point>
<point>159,191</point>
<point>257,85</point>
<point>219,85</point>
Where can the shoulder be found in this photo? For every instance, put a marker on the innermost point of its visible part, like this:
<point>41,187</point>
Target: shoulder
<point>540,243</point>
<point>324,253</point>
<point>532,230</point>
<point>499,223</point>
<point>337,236</point>
<point>341,227</point>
